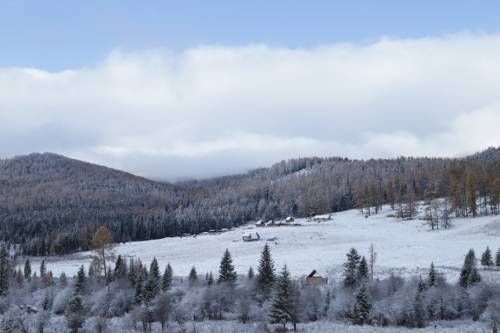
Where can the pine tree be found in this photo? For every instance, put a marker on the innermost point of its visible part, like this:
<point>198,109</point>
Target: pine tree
<point>75,314</point>
<point>27,270</point>
<point>250,273</point>
<point>4,271</point>
<point>152,286</point>
<point>421,286</point>
<point>154,271</point>
<point>266,274</point>
<point>486,258</point>
<point>432,276</point>
<point>469,274</point>
<point>284,307</point>
<point>210,279</point>
<point>226,269</point>
<point>138,292</point>
<point>419,310</point>
<point>43,269</point>
<point>193,277</point>
<point>47,302</point>
<point>362,271</point>
<point>167,278</point>
<point>120,270</point>
<point>360,314</point>
<point>81,281</point>
<point>497,261</point>
<point>350,268</point>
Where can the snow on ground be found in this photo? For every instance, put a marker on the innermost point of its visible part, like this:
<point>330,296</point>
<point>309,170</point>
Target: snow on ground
<point>407,247</point>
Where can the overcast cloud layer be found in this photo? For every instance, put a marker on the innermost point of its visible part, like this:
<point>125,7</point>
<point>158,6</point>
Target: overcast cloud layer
<point>215,110</point>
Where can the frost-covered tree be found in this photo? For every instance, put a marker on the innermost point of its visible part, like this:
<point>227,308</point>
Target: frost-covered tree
<point>27,269</point>
<point>75,314</point>
<point>250,274</point>
<point>226,269</point>
<point>497,259</point>
<point>81,281</point>
<point>361,309</point>
<point>167,278</point>
<point>120,271</point>
<point>432,278</point>
<point>193,277</point>
<point>362,271</point>
<point>469,274</point>
<point>486,258</point>
<point>266,274</point>
<point>284,307</point>
<point>4,271</point>
<point>350,268</point>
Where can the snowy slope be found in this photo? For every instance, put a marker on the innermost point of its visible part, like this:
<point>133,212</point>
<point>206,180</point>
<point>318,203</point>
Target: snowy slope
<point>407,247</point>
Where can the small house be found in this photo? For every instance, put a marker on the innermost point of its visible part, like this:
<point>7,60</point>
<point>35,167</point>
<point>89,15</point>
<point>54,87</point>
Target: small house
<point>322,218</point>
<point>260,224</point>
<point>289,219</point>
<point>271,223</point>
<point>314,279</point>
<point>251,237</point>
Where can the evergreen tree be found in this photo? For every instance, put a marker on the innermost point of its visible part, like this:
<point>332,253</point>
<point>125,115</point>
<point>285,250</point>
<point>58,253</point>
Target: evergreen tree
<point>226,269</point>
<point>27,270</point>
<point>469,274</point>
<point>486,258</point>
<point>193,277</point>
<point>75,314</point>
<point>154,271</point>
<point>432,276</point>
<point>360,314</point>
<point>138,292</point>
<point>419,310</point>
<point>81,281</point>
<point>266,274</point>
<point>284,307</point>
<point>120,270</point>
<point>470,181</point>
<point>210,280</point>
<point>4,271</point>
<point>152,285</point>
<point>167,278</point>
<point>47,302</point>
<point>362,271</point>
<point>350,268</point>
<point>421,286</point>
<point>43,269</point>
<point>250,273</point>
<point>497,261</point>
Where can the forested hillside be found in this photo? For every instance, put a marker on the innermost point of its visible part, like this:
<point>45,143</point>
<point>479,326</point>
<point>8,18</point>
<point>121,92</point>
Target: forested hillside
<point>50,204</point>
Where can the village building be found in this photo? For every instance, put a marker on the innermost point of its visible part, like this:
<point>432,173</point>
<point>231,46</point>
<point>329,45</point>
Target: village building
<point>314,279</point>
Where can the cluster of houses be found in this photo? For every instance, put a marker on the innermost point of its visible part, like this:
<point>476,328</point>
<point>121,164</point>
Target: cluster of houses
<point>291,221</point>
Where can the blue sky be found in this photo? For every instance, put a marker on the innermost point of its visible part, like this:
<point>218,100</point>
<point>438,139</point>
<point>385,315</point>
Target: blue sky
<point>55,35</point>
<point>201,88</point>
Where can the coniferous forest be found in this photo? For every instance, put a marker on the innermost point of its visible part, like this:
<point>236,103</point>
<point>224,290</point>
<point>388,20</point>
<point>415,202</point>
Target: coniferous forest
<point>52,205</point>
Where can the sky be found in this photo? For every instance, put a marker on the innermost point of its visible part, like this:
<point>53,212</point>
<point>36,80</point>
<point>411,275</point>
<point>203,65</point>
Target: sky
<point>194,89</point>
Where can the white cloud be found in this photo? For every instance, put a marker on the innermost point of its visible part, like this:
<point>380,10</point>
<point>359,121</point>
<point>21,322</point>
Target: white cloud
<point>211,110</point>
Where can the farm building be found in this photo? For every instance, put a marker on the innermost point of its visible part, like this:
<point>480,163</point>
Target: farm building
<point>322,218</point>
<point>314,279</point>
<point>251,237</point>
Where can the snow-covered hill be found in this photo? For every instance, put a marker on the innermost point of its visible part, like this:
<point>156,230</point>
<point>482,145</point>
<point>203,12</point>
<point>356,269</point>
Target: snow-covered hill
<point>406,247</point>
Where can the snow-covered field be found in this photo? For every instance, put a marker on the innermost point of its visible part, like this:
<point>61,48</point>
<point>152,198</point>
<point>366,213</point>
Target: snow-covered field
<point>407,247</point>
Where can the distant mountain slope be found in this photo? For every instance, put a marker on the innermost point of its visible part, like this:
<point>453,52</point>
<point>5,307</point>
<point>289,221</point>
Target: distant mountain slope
<point>50,204</point>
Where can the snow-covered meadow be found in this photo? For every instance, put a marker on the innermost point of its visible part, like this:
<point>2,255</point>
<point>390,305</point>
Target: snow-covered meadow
<point>405,247</point>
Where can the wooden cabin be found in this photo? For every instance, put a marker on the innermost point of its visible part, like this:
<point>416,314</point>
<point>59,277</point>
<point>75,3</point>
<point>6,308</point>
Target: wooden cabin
<point>314,279</point>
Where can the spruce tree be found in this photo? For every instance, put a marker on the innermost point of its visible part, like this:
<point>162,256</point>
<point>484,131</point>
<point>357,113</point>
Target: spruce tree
<point>81,281</point>
<point>138,292</point>
<point>27,270</point>
<point>210,279</point>
<point>419,310</point>
<point>43,269</point>
<point>167,278</point>
<point>75,314</point>
<point>421,286</point>
<point>193,277</point>
<point>432,276</point>
<point>266,273</point>
<point>226,269</point>
<point>350,268</point>
<point>250,273</point>
<point>284,307</point>
<point>469,274</point>
<point>497,261</point>
<point>360,314</point>
<point>486,258</point>
<point>362,271</point>
<point>4,271</point>
<point>152,285</point>
<point>120,270</point>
